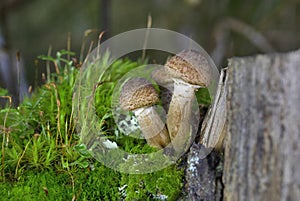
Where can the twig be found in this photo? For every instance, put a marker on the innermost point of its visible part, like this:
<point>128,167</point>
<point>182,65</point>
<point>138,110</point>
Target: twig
<point>69,45</point>
<point>149,24</point>
<point>19,161</point>
<point>86,34</point>
<point>58,114</point>
<point>48,64</point>
<point>91,47</point>
<point>5,133</point>
<point>99,41</point>
<point>19,76</point>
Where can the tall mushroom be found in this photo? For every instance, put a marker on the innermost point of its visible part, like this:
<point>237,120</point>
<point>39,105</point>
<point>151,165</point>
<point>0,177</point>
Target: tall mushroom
<point>139,95</point>
<point>190,70</point>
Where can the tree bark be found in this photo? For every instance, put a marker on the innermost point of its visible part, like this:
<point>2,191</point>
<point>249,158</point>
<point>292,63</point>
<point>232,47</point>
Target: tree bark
<point>203,175</point>
<point>262,144</point>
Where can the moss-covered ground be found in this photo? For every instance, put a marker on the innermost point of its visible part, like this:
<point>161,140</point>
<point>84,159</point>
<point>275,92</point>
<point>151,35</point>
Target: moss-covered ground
<point>43,158</point>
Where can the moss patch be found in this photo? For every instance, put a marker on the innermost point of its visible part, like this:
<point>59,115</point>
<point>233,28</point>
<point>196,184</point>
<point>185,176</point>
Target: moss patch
<point>44,159</point>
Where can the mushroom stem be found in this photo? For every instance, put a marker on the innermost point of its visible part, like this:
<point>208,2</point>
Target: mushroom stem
<point>180,114</point>
<point>153,127</point>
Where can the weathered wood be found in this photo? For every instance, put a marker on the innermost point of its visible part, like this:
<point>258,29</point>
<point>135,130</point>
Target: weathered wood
<point>262,145</point>
<point>203,175</point>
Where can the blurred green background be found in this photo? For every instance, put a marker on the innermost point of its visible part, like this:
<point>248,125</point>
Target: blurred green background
<point>223,28</point>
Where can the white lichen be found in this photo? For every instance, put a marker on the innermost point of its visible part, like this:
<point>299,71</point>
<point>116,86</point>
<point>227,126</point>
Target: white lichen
<point>109,144</point>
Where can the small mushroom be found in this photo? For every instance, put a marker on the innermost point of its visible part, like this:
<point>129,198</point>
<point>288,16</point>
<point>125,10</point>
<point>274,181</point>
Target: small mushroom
<point>139,96</point>
<point>190,70</point>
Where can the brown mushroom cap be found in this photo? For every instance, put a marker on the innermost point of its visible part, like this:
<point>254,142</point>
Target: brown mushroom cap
<point>161,76</point>
<point>137,93</point>
<point>191,67</point>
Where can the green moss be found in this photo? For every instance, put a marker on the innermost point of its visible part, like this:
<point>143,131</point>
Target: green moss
<point>44,158</point>
<point>203,96</point>
<point>166,183</point>
<point>99,184</point>
<point>38,186</point>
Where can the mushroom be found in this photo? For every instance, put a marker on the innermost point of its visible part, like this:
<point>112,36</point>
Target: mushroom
<point>165,82</point>
<point>139,96</point>
<point>190,70</point>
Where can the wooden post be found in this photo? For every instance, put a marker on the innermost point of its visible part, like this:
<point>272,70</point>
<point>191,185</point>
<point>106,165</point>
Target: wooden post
<point>262,144</point>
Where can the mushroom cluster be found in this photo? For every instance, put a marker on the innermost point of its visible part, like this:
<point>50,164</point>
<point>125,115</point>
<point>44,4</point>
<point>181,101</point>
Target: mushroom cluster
<point>183,74</point>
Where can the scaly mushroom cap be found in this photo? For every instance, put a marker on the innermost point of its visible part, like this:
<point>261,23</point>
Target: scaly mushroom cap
<point>137,93</point>
<point>161,76</point>
<point>191,67</point>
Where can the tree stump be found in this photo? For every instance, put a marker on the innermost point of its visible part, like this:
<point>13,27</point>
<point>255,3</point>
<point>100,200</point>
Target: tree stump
<point>262,144</point>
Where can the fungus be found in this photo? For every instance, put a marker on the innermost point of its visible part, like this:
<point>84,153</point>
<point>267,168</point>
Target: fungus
<point>190,70</point>
<point>139,96</point>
